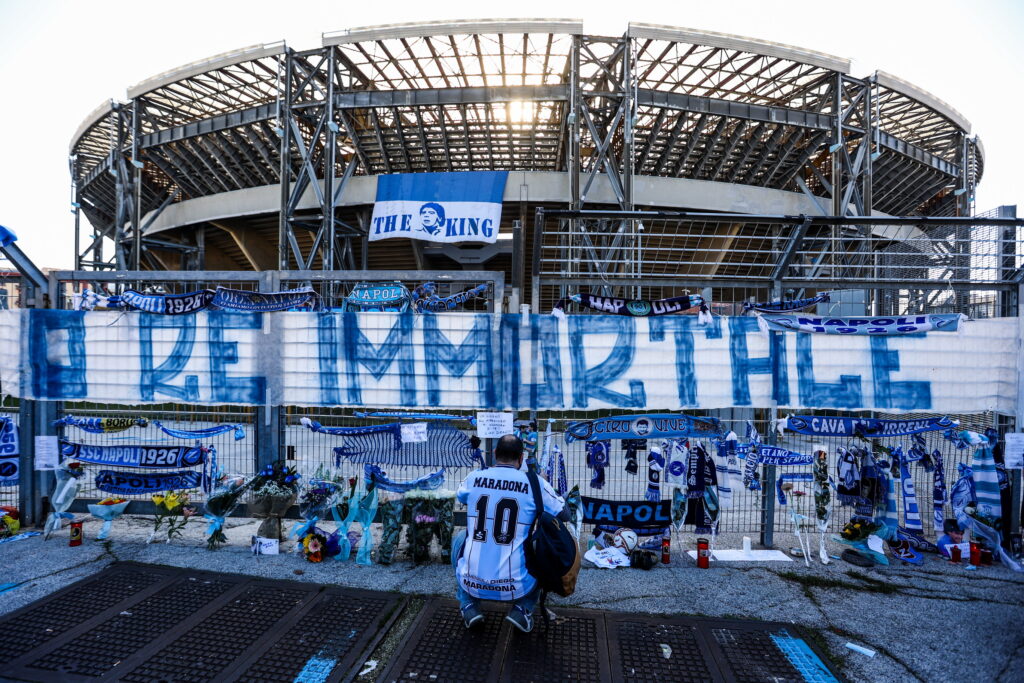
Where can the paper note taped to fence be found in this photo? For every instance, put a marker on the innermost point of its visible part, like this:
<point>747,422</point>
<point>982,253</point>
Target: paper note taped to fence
<point>493,425</point>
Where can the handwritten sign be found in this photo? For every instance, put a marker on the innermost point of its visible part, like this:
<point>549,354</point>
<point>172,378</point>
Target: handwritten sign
<point>47,452</point>
<point>414,433</point>
<point>493,425</point>
<point>1014,452</point>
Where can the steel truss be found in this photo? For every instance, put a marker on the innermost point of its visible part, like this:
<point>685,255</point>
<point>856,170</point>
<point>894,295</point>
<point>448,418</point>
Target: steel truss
<point>538,96</point>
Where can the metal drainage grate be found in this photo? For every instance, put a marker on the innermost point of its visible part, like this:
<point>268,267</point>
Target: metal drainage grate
<point>751,656</point>
<point>328,638</point>
<point>39,623</point>
<point>652,649</point>
<point>571,648</point>
<point>142,623</point>
<point>439,648</point>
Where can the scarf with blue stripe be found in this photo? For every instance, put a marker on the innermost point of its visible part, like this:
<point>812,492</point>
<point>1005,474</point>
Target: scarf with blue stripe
<point>101,425</point>
<point>243,300</point>
<point>426,300</point>
<point>598,455</point>
<point>786,306</point>
<point>375,476</point>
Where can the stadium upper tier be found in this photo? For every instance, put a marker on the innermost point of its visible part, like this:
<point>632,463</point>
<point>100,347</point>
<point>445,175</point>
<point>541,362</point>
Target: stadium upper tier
<point>658,118</point>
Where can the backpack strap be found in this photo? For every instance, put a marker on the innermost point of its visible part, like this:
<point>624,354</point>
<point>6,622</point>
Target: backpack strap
<point>538,500</point>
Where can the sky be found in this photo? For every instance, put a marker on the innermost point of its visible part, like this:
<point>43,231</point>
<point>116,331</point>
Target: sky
<point>61,59</point>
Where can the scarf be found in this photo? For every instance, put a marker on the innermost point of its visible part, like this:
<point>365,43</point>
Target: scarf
<point>822,493</point>
<point>163,304</point>
<point>786,306</point>
<point>133,483</point>
<point>727,469</point>
<point>878,327</point>
<point>314,426</point>
<point>377,477</point>
<point>632,446</point>
<point>677,452</point>
<point>787,478</point>
<point>938,490</point>
<point>101,425</point>
<point>660,426</point>
<point>243,300</point>
<point>555,471</point>
<point>911,513</point>
<point>655,465</point>
<point>408,416</point>
<point>890,518</point>
<point>136,456</point>
<point>962,495</point>
<point>986,482</point>
<point>378,296</point>
<point>445,446</point>
<point>196,434</point>
<point>848,477</point>
<point>9,451</point>
<point>597,459</point>
<point>702,490</point>
<point>862,426</point>
<point>636,307</point>
<point>425,300</point>
<point>679,501</point>
<point>873,486</point>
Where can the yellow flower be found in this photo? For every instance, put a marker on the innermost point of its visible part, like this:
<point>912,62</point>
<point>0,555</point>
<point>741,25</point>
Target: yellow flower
<point>856,526</point>
<point>172,501</point>
<point>158,498</point>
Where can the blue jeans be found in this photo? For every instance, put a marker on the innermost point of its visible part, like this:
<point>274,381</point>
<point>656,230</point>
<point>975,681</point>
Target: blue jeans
<point>524,603</point>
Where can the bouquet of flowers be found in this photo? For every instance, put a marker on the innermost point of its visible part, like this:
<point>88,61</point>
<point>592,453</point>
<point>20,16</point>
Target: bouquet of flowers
<point>858,530</point>
<point>64,492</point>
<point>10,521</point>
<point>275,490</point>
<point>108,510</point>
<point>172,509</point>
<point>316,501</point>
<point>314,546</point>
<point>224,499</point>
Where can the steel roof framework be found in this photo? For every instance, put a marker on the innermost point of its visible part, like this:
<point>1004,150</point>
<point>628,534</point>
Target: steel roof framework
<point>518,96</point>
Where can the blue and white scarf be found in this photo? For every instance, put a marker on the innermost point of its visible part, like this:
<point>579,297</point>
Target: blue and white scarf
<point>265,302</point>
<point>554,470</point>
<point>136,456</point>
<point>162,304</point>
<point>911,513</point>
<point>879,327</point>
<point>660,426</point>
<point>828,425</point>
<point>677,452</point>
<point>377,477</point>
<point>655,465</point>
<point>598,455</point>
<point>636,307</point>
<point>848,477</point>
<point>197,434</point>
<point>728,469</point>
<point>445,447</point>
<point>412,416</point>
<point>753,444</point>
<point>425,299</point>
<point>986,482</point>
<point>789,477</point>
<point>938,490</point>
<point>786,306</point>
<point>377,297</point>
<point>962,495</point>
<point>314,426</point>
<point>775,455</point>
<point>9,451</point>
<point>101,425</point>
<point>134,483</point>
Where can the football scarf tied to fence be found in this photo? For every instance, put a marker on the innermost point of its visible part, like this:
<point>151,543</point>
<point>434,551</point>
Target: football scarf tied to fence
<point>134,483</point>
<point>661,426</point>
<point>182,304</point>
<point>101,425</point>
<point>598,457</point>
<point>146,457</point>
<point>914,324</point>
<point>787,306</point>
<point>389,444</point>
<point>637,308</point>
<point>426,300</point>
<point>862,426</point>
<point>9,451</point>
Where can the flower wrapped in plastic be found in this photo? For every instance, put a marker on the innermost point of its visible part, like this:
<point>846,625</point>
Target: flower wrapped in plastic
<point>10,521</point>
<point>314,546</point>
<point>220,504</point>
<point>108,510</point>
<point>274,491</point>
<point>171,511</point>
<point>68,476</point>
<point>314,504</point>
<point>430,514</point>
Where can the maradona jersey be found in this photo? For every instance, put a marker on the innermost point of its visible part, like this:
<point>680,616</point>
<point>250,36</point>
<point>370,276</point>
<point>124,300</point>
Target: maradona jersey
<point>498,519</point>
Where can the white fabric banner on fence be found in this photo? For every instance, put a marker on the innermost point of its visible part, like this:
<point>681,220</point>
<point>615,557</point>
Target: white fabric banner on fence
<point>483,361</point>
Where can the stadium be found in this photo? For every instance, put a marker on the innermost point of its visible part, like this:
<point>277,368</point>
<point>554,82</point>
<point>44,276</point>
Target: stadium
<point>659,119</point>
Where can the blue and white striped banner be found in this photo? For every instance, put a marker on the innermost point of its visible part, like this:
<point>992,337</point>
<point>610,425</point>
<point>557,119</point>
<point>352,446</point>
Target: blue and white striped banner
<point>439,207</point>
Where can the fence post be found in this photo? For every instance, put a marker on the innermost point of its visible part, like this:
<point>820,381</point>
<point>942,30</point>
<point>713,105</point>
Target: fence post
<point>269,428</point>
<point>768,490</point>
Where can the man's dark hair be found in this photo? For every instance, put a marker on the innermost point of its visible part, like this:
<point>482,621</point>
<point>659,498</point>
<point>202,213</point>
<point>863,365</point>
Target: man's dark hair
<point>509,448</point>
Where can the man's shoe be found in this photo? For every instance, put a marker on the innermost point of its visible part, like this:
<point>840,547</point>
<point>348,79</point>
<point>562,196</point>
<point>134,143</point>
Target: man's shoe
<point>472,615</point>
<point>519,618</point>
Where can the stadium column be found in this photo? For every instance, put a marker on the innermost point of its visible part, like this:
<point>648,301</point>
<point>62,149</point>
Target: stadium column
<point>284,80</point>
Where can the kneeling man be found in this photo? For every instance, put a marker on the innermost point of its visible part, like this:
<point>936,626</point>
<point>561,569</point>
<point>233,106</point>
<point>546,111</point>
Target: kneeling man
<point>489,555</point>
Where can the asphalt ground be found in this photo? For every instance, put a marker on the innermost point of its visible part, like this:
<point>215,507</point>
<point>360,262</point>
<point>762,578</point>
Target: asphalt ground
<point>928,623</point>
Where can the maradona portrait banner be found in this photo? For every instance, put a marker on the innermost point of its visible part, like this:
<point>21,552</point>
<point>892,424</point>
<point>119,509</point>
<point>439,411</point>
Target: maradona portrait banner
<point>489,361</point>
<point>439,207</point>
